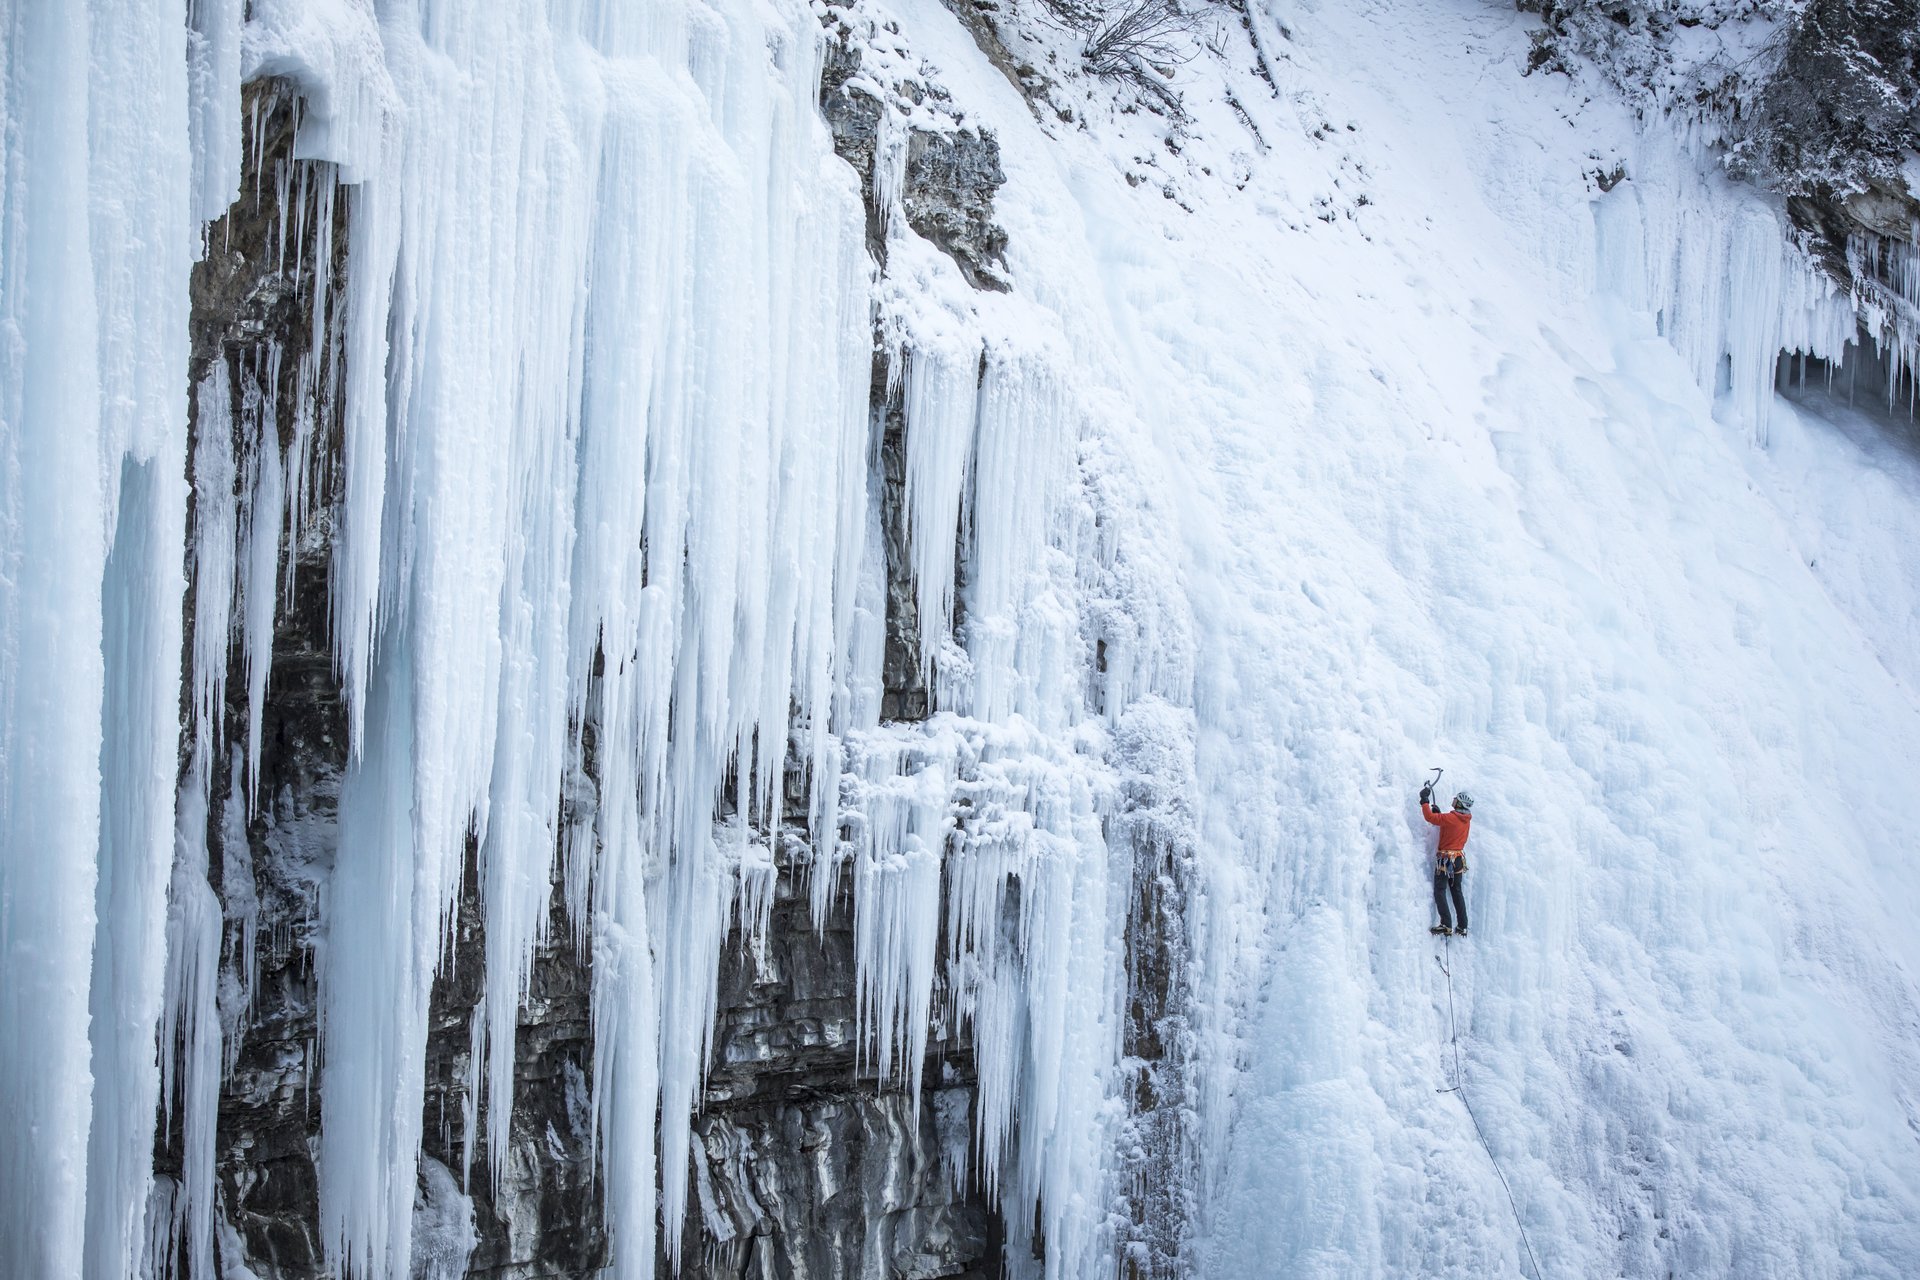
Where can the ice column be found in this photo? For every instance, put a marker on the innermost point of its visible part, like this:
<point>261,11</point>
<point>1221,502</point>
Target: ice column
<point>603,449</point>
<point>55,522</point>
<point>1721,276</point>
<point>942,379</point>
<point>1886,275</point>
<point>905,822</point>
<point>95,253</point>
<point>382,909</point>
<point>1022,624</point>
<point>996,804</point>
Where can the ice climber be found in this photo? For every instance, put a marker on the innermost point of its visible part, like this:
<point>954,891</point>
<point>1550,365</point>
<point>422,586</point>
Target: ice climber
<point>1450,862</point>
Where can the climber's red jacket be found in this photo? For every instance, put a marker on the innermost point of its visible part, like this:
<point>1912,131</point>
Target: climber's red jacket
<point>1453,827</point>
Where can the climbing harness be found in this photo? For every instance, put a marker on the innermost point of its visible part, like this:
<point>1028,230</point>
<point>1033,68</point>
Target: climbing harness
<point>1460,1087</point>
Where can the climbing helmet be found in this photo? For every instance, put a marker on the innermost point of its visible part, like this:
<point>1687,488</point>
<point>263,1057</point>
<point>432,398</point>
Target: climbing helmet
<point>1463,803</point>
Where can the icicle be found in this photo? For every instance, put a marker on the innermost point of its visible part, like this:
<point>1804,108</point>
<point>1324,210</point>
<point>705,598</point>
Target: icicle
<point>260,557</point>
<point>213,61</point>
<point>215,524</point>
<point>897,874</point>
<point>96,256</point>
<point>941,383</point>
<point>240,899</point>
<point>140,729</point>
<point>470,1096</point>
<point>375,977</point>
<point>1024,461</point>
<point>1729,289</point>
<point>637,511</point>
<point>190,1041</point>
<point>442,1225</point>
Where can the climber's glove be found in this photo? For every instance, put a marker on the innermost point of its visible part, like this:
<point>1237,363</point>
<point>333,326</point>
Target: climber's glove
<point>1426,794</point>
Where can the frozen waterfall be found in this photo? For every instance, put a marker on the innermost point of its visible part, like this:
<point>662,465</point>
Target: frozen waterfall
<point>722,477</point>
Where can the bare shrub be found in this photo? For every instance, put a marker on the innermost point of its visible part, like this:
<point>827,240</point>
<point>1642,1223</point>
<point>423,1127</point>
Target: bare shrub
<point>1128,38</point>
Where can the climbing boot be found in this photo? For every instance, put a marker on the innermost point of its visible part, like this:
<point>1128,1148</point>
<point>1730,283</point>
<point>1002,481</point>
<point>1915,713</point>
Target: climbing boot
<point>1440,929</point>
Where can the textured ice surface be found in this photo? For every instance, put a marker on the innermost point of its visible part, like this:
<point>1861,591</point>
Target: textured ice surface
<point>1337,430</point>
<point>1455,456</point>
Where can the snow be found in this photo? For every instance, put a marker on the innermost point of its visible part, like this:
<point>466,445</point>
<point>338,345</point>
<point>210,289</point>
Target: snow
<point>1449,484</point>
<point>1340,429</point>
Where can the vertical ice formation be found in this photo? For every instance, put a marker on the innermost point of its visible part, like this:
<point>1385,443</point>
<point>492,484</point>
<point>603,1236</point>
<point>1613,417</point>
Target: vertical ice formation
<point>190,1042</point>
<point>607,567</point>
<point>95,254</point>
<point>986,897</point>
<point>1720,271</point>
<point>1886,275</point>
<point>213,71</point>
<point>443,1225</point>
<point>1010,823</point>
<point>636,507</point>
<point>943,372</point>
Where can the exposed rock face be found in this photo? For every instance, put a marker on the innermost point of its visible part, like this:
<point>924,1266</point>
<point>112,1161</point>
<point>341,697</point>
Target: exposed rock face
<point>904,684</point>
<point>853,112</point>
<point>949,177</point>
<point>540,1214</point>
<point>804,1166</point>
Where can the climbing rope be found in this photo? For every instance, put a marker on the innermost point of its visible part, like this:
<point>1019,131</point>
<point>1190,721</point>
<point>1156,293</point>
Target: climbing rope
<point>1460,1087</point>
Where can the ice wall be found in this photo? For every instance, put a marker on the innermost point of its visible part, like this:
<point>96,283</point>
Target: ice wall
<point>613,571</point>
<point>97,246</point>
<point>1720,270</point>
<point>606,522</point>
<point>606,343</point>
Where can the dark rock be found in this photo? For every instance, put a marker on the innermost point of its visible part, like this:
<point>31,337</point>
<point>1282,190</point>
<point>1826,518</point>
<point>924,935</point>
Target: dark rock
<point>903,685</point>
<point>1826,114</point>
<point>951,181</point>
<point>252,308</point>
<point>853,115</point>
<point>804,1165</point>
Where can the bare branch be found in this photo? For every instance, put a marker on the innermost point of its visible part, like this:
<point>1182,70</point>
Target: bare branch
<point>1131,35</point>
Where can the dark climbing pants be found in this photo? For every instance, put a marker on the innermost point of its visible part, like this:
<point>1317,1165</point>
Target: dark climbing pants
<point>1446,882</point>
